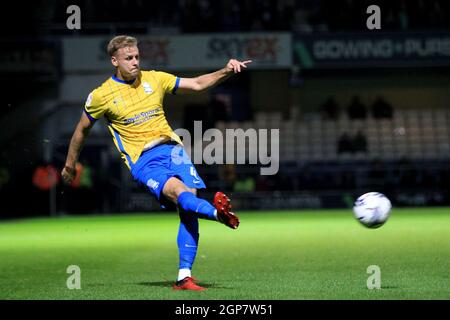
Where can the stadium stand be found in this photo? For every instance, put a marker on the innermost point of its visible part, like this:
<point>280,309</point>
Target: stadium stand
<point>193,16</point>
<point>397,149</point>
<point>417,134</point>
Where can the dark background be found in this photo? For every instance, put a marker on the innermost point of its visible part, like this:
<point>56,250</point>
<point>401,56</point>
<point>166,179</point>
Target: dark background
<point>348,124</point>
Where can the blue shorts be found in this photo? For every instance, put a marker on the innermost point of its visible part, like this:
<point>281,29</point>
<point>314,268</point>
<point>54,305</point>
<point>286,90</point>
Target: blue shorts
<point>155,166</point>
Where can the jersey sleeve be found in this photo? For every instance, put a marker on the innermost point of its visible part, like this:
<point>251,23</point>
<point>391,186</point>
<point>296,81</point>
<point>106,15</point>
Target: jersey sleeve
<point>168,82</point>
<point>95,107</point>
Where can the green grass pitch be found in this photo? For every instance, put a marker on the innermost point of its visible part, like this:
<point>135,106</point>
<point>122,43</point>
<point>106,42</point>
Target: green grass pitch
<point>273,255</point>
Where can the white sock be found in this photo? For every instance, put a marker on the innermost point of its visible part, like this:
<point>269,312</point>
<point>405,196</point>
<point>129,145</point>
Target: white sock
<point>183,273</point>
<point>215,214</point>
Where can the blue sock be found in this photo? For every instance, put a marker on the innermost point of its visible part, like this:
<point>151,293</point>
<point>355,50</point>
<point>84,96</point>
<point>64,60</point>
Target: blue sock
<point>190,203</point>
<point>187,239</point>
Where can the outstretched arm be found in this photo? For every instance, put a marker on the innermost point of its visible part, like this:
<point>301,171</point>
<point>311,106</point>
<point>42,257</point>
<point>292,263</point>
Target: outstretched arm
<point>206,81</point>
<point>76,144</point>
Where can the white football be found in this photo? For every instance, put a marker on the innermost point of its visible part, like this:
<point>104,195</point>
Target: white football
<point>372,209</point>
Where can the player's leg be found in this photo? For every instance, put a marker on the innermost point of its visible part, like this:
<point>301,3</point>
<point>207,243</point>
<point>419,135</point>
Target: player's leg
<point>161,179</point>
<point>181,164</point>
<point>177,192</point>
<point>187,241</point>
<point>189,207</point>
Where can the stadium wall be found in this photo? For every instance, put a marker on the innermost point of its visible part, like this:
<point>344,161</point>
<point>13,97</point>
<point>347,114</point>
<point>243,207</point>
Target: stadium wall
<point>404,90</point>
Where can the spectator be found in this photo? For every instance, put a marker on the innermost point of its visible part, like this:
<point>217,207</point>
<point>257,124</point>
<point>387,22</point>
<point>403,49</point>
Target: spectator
<point>357,110</point>
<point>330,109</point>
<point>355,144</point>
<point>359,143</point>
<point>345,144</point>
<point>242,16</point>
<point>381,109</point>
<point>45,177</point>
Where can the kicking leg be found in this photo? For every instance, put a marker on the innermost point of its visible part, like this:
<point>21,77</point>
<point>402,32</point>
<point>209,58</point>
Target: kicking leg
<point>187,240</point>
<point>177,192</point>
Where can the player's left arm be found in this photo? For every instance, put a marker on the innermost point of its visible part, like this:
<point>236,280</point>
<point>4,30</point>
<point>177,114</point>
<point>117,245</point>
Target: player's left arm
<point>209,80</point>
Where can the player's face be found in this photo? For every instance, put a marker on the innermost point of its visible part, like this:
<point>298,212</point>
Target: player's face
<point>127,62</point>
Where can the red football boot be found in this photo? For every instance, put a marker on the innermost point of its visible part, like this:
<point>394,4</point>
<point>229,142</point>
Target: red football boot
<point>187,284</point>
<point>223,206</point>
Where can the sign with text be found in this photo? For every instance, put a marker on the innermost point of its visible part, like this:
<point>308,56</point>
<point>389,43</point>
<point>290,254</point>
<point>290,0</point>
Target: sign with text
<point>33,57</point>
<point>187,52</point>
<point>362,50</point>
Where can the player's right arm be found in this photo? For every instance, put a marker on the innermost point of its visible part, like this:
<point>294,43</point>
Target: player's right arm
<point>94,109</point>
<point>76,145</point>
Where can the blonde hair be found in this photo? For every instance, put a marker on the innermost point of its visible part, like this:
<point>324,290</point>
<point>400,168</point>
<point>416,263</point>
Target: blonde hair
<point>119,42</point>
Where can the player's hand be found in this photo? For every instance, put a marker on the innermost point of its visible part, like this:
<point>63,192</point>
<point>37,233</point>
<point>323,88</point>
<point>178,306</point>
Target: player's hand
<point>235,65</point>
<point>68,174</point>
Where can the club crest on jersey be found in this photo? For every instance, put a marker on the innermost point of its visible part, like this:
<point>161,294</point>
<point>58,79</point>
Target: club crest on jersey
<point>147,88</point>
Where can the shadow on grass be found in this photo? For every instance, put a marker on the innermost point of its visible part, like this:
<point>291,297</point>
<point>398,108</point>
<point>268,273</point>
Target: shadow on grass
<point>383,287</point>
<point>95,284</point>
<point>170,283</point>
